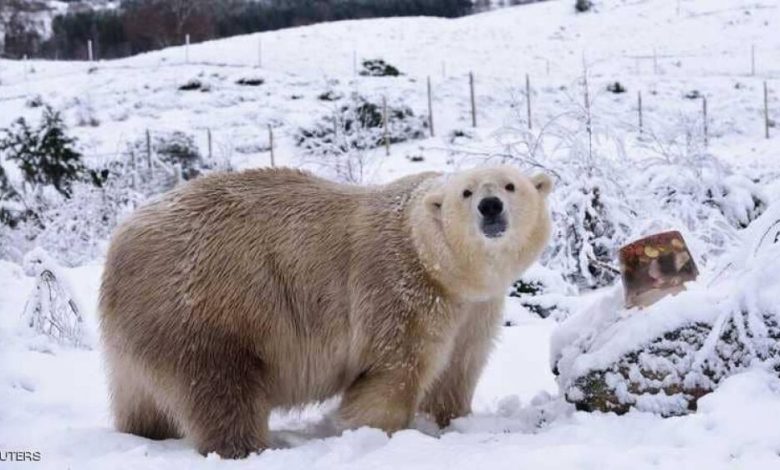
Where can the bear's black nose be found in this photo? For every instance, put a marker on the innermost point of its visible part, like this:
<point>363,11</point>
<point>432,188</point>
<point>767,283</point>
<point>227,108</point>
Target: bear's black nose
<point>490,206</point>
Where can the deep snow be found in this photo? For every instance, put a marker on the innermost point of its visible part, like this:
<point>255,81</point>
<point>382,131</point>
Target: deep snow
<point>55,401</point>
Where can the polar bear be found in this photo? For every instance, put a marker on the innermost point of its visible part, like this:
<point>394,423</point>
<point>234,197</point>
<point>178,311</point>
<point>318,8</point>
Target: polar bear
<point>239,293</point>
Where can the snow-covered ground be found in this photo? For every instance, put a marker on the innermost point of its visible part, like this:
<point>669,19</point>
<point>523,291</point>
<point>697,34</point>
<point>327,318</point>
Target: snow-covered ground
<point>53,398</point>
<point>55,401</point>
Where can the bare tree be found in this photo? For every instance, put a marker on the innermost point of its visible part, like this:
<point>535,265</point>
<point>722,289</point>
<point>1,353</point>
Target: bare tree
<point>162,23</point>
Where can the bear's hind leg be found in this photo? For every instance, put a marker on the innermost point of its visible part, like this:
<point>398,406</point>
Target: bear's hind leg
<point>141,416</point>
<point>226,410</point>
<point>135,410</point>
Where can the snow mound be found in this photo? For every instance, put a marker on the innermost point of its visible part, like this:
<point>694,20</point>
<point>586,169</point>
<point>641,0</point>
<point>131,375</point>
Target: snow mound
<point>664,358</point>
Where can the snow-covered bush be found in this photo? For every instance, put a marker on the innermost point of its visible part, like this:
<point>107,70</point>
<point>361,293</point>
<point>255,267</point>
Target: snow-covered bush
<point>590,225</point>
<point>11,209</point>
<point>46,155</point>
<point>51,309</point>
<point>84,113</point>
<point>378,68</point>
<point>605,197</point>
<point>543,292</point>
<point>179,149</point>
<point>250,81</point>
<point>582,6</point>
<point>77,229</point>
<point>664,358</point>
<point>337,142</point>
<point>163,159</point>
<point>194,84</point>
<point>74,229</point>
<point>69,209</point>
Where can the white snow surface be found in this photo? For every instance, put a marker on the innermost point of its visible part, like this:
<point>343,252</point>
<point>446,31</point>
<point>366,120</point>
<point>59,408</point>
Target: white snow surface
<point>53,398</point>
<point>55,401</point>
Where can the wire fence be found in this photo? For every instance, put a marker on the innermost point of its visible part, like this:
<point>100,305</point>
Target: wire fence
<point>656,64</point>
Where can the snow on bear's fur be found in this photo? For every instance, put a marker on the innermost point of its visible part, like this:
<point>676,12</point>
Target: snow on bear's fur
<point>239,293</point>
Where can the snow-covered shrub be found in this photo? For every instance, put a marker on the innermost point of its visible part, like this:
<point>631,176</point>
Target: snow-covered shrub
<point>77,229</point>
<point>337,142</point>
<point>664,358</point>
<point>689,187</point>
<point>46,155</point>
<point>589,228</point>
<point>193,84</point>
<point>167,156</point>
<point>616,87</point>
<point>179,149</point>
<point>378,68</point>
<point>35,101</point>
<point>69,209</point>
<point>84,113</point>
<point>74,229</point>
<point>582,6</point>
<point>459,136</point>
<point>51,310</point>
<point>709,201</point>
<point>591,206</point>
<point>543,292</point>
<point>329,95</point>
<point>606,197</point>
<point>250,81</point>
<point>12,210</point>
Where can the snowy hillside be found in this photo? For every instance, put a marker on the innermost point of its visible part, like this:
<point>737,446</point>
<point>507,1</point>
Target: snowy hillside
<point>619,176</point>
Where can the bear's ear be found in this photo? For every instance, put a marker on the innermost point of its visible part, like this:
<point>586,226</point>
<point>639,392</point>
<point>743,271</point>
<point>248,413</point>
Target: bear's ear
<point>433,202</point>
<point>542,183</point>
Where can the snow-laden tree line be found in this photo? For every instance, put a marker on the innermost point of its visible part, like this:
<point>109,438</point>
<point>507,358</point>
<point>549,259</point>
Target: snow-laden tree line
<point>143,25</point>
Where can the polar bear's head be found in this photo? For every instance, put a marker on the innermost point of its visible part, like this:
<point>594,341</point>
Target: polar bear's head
<point>476,231</point>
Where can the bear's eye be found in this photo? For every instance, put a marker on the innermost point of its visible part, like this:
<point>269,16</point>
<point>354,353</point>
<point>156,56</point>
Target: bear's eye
<point>466,194</point>
<point>510,187</point>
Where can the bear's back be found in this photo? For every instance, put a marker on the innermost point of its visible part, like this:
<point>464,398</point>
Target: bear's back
<point>257,256</point>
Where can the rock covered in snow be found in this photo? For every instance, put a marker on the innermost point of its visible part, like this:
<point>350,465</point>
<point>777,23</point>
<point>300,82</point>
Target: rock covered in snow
<point>665,357</point>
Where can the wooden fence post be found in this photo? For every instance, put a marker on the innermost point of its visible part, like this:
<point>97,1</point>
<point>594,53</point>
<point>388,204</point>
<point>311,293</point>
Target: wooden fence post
<point>430,107</point>
<point>639,110</point>
<point>704,115</point>
<point>89,50</point>
<point>271,145</point>
<point>384,122</point>
<point>655,61</point>
<point>766,110</point>
<point>187,48</point>
<point>208,136</point>
<point>528,99</point>
<point>473,101</point>
<point>134,172</point>
<point>752,59</point>
<point>149,150</point>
